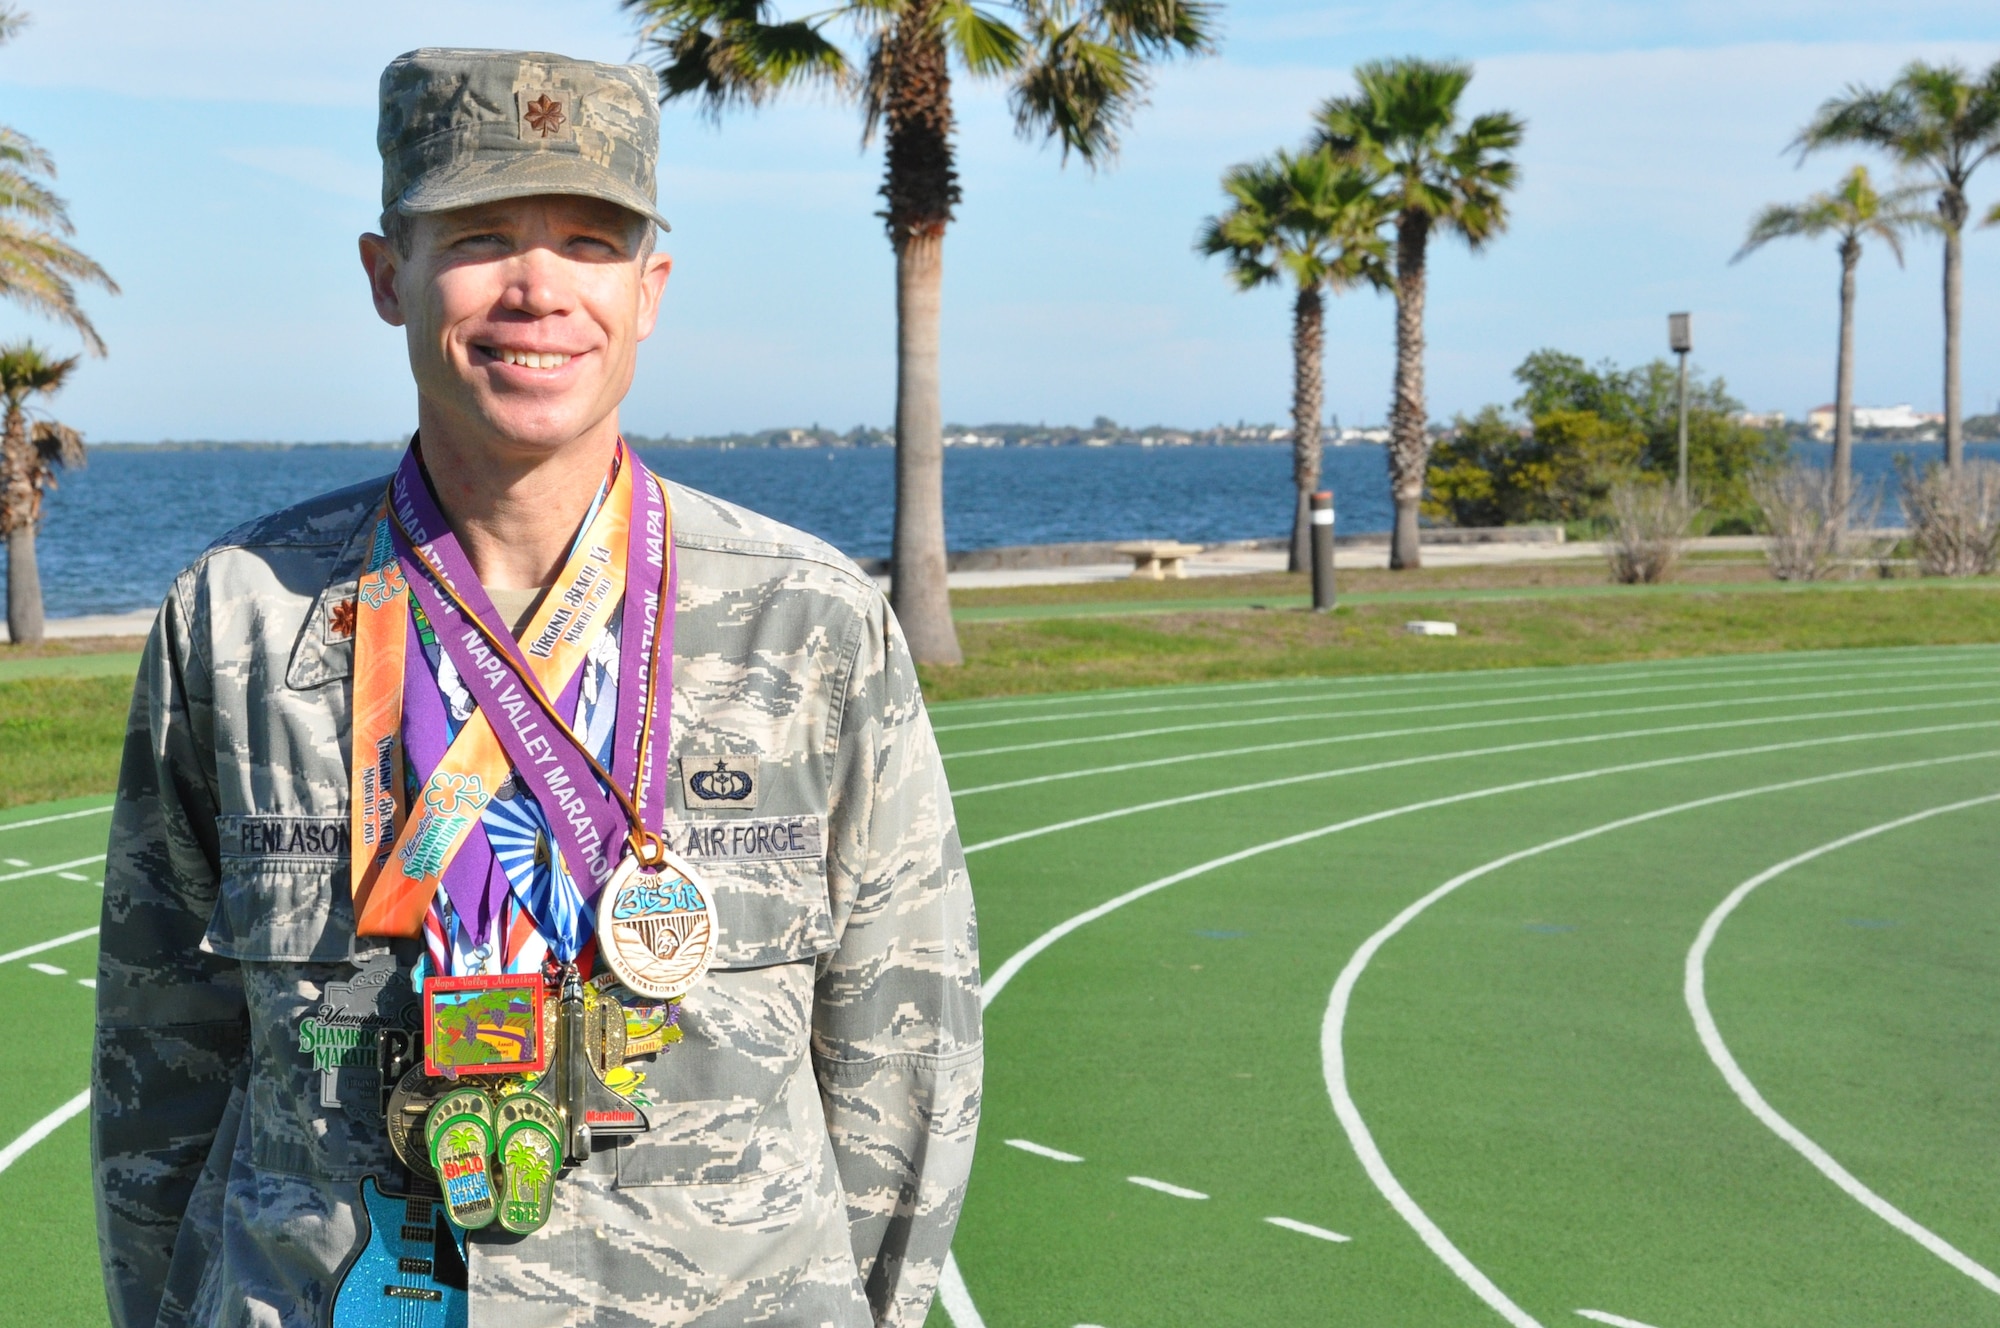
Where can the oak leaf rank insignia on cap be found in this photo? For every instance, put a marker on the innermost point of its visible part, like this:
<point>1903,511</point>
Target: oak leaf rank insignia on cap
<point>462,127</point>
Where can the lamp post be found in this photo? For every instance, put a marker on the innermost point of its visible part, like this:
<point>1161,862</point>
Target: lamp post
<point>1681,338</point>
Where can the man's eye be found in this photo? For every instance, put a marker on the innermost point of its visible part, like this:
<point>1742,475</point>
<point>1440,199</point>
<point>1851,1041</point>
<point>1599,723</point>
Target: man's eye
<point>597,244</point>
<point>478,241</point>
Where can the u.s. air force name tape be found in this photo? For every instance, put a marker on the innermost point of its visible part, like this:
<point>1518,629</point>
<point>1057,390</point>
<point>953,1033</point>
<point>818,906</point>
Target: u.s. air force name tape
<point>753,839</point>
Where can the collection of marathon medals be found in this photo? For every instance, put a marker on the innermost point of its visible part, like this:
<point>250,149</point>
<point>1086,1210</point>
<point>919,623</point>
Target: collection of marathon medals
<point>497,1079</point>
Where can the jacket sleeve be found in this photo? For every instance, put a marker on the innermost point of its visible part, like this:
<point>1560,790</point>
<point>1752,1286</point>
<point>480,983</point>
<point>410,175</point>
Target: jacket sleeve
<point>172,1032</point>
<point>896,1026</point>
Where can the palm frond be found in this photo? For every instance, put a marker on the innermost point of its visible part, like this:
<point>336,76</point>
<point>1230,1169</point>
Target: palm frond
<point>1083,71</point>
<point>1306,215</point>
<point>39,271</point>
<point>1157,28</point>
<point>57,445</point>
<point>1078,90</point>
<point>729,53</point>
<point>986,44</point>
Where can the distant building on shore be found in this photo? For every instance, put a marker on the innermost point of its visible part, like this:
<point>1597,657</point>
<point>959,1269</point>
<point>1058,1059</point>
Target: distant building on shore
<point>1903,418</point>
<point>1766,419</point>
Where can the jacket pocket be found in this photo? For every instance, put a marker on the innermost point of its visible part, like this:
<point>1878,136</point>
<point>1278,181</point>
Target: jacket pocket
<point>734,1100</point>
<point>282,910</point>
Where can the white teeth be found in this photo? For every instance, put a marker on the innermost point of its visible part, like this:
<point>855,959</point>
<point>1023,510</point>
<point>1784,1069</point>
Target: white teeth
<point>529,359</point>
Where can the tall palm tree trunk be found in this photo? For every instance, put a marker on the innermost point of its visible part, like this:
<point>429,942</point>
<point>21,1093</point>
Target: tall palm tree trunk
<point>20,513</point>
<point>1308,399</point>
<point>921,188</point>
<point>1409,444</point>
<point>1843,389</point>
<point>1952,207</point>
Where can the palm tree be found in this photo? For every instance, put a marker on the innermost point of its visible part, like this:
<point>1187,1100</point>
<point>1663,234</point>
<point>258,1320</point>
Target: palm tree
<point>1853,211</point>
<point>1939,121</point>
<point>1075,73</point>
<point>31,451</point>
<point>1402,124</point>
<point>1312,219</point>
<point>38,268</point>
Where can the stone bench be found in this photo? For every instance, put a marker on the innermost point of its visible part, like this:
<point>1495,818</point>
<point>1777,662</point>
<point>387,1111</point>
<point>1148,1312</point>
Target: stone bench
<point>1156,560</point>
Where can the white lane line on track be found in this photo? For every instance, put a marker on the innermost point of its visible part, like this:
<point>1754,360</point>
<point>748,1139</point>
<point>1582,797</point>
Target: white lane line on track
<point>1004,974</point>
<point>1341,696</point>
<point>53,869</point>
<point>15,862</point>
<point>50,969</point>
<point>87,982</point>
<point>1507,721</point>
<point>40,946</point>
<point>1163,1187</point>
<point>1333,1055</point>
<point>1400,762</point>
<point>42,1129</point>
<point>1700,665</point>
<point>1615,1320</point>
<point>1336,716</point>
<point>1043,1150</point>
<point>1696,995</point>
<point>952,1291</point>
<point>60,816</point>
<point>1308,1229</point>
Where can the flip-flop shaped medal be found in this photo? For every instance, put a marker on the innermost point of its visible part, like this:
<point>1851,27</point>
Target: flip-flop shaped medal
<point>656,926</point>
<point>461,1150</point>
<point>530,1157</point>
<point>469,1100</point>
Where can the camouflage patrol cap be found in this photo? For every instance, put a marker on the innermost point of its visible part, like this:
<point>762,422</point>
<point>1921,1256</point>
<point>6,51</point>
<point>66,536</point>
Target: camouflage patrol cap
<point>460,127</point>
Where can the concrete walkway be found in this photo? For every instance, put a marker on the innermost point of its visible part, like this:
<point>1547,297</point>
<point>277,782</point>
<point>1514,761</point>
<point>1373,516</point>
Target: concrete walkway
<point>1221,562</point>
<point>1238,562</point>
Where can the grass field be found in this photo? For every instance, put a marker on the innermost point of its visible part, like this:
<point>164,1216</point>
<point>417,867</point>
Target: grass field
<point>1425,999</point>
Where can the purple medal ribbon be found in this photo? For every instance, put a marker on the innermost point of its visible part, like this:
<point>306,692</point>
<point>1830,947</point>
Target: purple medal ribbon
<point>587,822</point>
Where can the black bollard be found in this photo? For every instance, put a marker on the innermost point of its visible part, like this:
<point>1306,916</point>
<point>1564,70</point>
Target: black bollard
<point>1322,536</point>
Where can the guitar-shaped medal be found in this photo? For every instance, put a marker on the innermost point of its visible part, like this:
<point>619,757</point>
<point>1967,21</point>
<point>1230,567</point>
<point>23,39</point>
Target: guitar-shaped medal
<point>409,1271</point>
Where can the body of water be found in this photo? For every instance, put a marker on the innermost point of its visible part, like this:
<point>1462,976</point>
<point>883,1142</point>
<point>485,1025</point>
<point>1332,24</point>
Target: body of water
<point>117,531</point>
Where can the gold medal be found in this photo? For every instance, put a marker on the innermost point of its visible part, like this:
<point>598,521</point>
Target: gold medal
<point>656,926</point>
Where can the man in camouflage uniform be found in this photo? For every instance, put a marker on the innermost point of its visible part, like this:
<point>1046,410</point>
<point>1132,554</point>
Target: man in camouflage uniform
<point>812,1132</point>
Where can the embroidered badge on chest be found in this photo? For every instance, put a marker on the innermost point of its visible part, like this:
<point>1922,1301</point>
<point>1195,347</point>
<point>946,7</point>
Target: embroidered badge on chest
<point>719,781</point>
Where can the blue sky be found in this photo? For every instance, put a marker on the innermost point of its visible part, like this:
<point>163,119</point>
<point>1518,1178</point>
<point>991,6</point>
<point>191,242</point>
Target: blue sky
<point>218,156</point>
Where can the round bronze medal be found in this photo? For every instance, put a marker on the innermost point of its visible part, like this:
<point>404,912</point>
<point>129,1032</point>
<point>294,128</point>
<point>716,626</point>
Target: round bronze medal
<point>656,926</point>
<point>409,1109</point>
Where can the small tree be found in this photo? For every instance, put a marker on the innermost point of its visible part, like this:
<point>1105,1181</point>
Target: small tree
<point>1852,212</point>
<point>1075,73</point>
<point>1954,516</point>
<point>1311,219</point>
<point>31,451</point>
<point>1438,172</point>
<point>1943,122</point>
<point>1649,528</point>
<point>1806,515</point>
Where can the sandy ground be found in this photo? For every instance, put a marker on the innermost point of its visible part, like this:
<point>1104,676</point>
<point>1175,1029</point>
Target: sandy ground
<point>1223,563</point>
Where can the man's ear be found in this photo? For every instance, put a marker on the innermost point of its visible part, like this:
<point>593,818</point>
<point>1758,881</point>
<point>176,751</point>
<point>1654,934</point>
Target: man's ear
<point>652,283</point>
<point>380,261</point>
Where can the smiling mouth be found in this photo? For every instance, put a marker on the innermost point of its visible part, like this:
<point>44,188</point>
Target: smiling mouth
<point>529,359</point>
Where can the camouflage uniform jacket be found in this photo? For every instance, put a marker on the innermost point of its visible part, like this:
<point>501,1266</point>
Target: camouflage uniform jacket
<point>813,1130</point>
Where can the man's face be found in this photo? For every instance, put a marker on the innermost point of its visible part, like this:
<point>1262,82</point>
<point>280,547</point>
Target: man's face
<point>524,316</point>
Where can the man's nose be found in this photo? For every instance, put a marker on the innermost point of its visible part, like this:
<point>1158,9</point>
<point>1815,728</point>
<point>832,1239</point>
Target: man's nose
<point>537,284</point>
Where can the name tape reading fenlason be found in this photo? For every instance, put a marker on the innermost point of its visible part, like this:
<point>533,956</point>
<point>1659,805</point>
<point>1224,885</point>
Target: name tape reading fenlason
<point>258,836</point>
